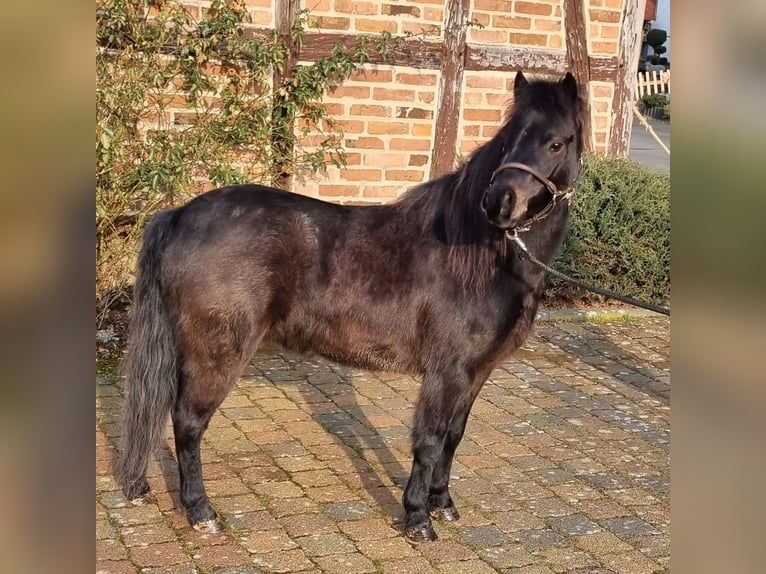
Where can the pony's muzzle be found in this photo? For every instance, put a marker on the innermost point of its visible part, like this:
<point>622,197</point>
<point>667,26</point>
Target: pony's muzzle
<point>499,205</point>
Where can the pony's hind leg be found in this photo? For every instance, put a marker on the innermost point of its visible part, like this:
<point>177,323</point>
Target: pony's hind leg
<point>191,416</point>
<point>209,371</point>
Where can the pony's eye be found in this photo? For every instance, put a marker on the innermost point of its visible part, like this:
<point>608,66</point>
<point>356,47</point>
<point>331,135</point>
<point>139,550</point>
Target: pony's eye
<point>556,147</point>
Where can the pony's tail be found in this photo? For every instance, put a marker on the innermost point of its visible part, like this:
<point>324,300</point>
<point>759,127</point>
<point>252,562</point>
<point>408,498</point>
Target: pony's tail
<point>151,364</point>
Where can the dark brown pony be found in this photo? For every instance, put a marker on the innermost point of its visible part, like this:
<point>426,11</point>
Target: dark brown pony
<point>429,284</point>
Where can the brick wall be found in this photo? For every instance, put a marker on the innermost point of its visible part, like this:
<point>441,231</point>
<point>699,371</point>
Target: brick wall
<point>388,111</point>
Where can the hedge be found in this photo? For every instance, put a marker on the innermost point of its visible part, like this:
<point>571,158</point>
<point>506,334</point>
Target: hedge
<point>619,232</point>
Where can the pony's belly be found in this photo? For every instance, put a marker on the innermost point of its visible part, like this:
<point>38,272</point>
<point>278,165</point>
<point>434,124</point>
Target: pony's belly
<point>351,346</point>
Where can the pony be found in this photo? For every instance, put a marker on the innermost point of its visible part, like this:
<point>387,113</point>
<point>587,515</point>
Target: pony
<point>429,285</point>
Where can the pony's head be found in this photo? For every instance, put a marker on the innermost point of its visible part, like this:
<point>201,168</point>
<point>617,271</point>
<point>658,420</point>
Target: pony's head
<point>540,150</point>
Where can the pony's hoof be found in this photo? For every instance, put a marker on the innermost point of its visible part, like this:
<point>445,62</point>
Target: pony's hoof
<point>422,533</point>
<point>449,514</point>
<point>210,526</point>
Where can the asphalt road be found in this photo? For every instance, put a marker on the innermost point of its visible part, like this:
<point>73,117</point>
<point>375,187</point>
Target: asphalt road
<point>644,148</point>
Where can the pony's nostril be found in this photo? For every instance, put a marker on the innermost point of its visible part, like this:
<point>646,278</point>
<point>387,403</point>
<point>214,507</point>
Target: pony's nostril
<point>507,205</point>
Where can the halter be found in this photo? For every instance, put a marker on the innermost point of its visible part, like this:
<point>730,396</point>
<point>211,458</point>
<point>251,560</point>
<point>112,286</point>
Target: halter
<point>557,194</point>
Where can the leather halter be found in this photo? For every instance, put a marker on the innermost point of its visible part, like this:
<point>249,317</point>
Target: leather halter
<point>555,192</point>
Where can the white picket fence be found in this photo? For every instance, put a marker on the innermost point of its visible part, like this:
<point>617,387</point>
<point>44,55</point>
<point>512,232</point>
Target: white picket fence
<point>653,82</point>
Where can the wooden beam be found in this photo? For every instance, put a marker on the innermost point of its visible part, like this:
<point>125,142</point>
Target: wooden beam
<point>427,55</point>
<point>577,58</point>
<point>286,14</point>
<point>624,85</point>
<point>450,89</point>
<point>399,51</point>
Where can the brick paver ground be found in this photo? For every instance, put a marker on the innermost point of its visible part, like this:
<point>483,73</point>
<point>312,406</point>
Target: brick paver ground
<point>564,468</point>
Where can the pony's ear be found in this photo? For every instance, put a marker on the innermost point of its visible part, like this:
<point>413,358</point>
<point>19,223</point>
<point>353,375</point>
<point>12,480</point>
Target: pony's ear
<point>570,86</point>
<point>519,83</point>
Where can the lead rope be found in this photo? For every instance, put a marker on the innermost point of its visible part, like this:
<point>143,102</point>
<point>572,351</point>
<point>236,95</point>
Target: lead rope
<point>514,236</point>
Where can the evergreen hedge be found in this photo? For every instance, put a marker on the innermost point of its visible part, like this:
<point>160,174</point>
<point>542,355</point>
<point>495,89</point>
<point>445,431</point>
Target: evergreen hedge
<point>619,232</point>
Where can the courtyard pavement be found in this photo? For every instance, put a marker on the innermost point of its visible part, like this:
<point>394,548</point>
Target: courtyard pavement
<point>564,467</point>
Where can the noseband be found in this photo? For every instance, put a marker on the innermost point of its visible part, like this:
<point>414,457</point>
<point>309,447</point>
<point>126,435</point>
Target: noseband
<point>557,194</point>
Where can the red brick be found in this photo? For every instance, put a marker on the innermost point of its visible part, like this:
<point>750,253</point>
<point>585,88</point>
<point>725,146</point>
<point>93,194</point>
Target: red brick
<point>529,39</point>
<point>397,10</point>
<point>602,91</point>
<point>366,143</point>
<point>329,23</point>
<point>547,25</point>
<point>605,47</point>
<point>403,175</point>
<point>350,92</point>
<point>361,174</point>
<point>338,190</point>
<point>417,28</point>
<point>493,5</point>
<point>387,128</point>
<point>410,144</point>
<point>365,25</point>
<point>397,95</point>
<point>334,109</point>
<point>362,74</point>
<point>378,159</point>
<point>352,7</point>
<point>416,79</point>
<point>484,82</point>
<point>604,16</point>
<point>533,8</point>
<point>489,36</point>
<point>370,110</point>
<point>381,191</point>
<point>422,130</point>
<point>471,114</point>
<point>511,22</point>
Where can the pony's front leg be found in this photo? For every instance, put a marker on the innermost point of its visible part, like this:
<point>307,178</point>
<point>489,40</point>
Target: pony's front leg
<point>440,504</point>
<point>432,417</point>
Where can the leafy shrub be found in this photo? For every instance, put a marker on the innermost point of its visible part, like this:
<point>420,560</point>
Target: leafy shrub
<point>233,127</point>
<point>619,232</point>
<point>654,100</point>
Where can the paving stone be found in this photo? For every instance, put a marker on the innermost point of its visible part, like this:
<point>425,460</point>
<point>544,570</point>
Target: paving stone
<point>345,564</point>
<point>386,549</point>
<point>628,526</point>
<point>630,563</point>
<point>104,566</point>
<point>308,524</point>
<point>515,521</point>
<point>283,561</point>
<point>534,539</point>
<point>506,555</point>
<point>351,510</point>
<point>417,565</point>
<point>483,536</point>
<point>241,569</point>
<point>324,544</point>
<point>561,559</point>
<point>574,524</point>
<point>162,554</point>
<point>446,551</point>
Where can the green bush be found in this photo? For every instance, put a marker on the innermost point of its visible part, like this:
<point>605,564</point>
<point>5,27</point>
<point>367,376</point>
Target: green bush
<point>619,232</point>
<point>654,100</point>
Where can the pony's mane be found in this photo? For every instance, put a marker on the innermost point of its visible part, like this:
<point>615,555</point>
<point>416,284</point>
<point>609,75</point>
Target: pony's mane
<point>450,204</point>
